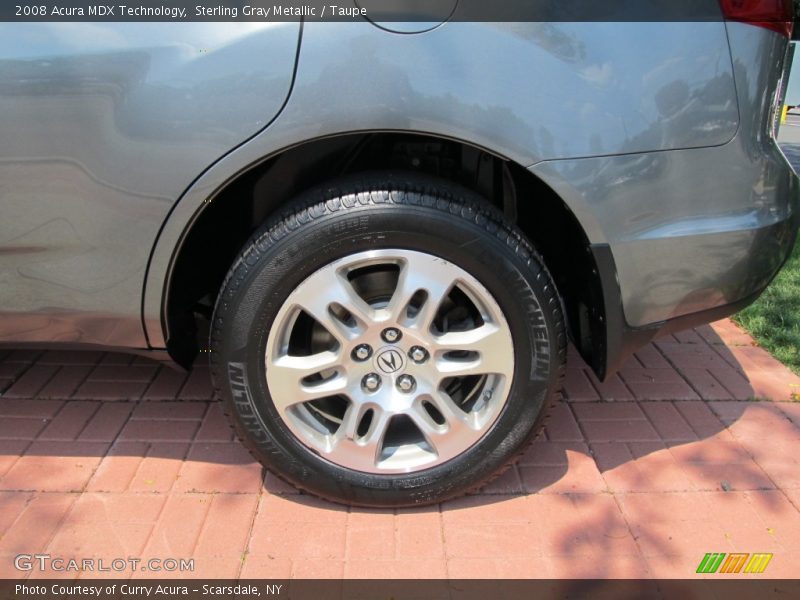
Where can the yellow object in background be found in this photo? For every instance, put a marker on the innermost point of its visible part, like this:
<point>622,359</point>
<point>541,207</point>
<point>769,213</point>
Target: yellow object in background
<point>784,113</point>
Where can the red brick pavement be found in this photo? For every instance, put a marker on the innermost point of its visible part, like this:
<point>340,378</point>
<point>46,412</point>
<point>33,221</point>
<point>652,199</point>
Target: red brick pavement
<point>692,447</point>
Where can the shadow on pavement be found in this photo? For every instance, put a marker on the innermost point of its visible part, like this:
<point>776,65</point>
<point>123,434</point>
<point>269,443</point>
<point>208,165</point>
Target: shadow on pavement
<point>610,481</point>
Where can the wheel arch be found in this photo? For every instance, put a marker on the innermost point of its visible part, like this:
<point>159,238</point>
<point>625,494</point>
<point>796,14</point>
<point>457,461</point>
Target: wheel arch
<point>213,219</point>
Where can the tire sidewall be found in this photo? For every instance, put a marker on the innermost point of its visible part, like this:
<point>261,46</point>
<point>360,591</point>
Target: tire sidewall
<point>284,258</point>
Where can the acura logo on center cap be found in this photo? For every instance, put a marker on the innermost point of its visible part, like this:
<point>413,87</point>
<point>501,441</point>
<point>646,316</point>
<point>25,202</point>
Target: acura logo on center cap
<point>390,361</point>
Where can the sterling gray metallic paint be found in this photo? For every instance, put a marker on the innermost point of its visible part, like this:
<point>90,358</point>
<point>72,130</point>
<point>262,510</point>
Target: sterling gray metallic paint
<point>693,229</point>
<point>103,127</point>
<point>652,133</point>
<point>575,89</point>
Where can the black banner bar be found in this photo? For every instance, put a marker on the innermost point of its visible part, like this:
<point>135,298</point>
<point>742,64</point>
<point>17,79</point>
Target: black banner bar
<point>479,589</point>
<point>359,10</point>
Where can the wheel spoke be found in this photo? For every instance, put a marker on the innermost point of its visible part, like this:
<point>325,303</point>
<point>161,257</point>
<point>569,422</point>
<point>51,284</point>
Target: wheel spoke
<point>447,367</point>
<point>364,449</point>
<point>435,282</point>
<point>448,437</point>
<point>456,420</point>
<point>287,373</point>
<point>318,300</point>
<point>331,387</point>
<point>352,417</point>
<point>490,344</point>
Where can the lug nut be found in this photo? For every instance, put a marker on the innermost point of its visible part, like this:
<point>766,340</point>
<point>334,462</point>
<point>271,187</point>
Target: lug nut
<point>406,383</point>
<point>391,335</point>
<point>362,352</point>
<point>371,382</point>
<point>418,354</point>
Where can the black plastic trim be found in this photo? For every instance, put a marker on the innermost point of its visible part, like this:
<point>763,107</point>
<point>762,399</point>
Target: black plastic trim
<point>622,340</point>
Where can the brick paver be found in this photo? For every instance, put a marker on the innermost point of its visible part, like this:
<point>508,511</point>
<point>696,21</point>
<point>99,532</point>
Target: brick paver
<point>693,447</point>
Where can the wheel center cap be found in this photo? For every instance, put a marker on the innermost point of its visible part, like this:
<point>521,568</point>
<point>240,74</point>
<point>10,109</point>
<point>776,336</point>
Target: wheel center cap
<point>390,361</point>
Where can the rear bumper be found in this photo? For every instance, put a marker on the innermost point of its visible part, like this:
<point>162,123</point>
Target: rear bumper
<point>679,238</point>
<point>714,272</point>
<point>687,236</point>
<point>771,248</point>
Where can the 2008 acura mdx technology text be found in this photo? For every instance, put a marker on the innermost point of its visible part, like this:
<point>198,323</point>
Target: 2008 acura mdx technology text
<point>385,234</point>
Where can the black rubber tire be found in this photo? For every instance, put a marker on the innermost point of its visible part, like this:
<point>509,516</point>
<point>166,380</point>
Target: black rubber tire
<point>386,210</point>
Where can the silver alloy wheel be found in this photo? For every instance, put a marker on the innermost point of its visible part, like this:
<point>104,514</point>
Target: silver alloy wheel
<point>429,407</point>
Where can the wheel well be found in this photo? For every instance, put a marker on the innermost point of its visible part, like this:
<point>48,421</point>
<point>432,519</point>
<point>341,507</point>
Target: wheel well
<point>235,212</point>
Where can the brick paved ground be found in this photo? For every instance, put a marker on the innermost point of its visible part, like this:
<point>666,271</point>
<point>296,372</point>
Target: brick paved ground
<point>105,455</point>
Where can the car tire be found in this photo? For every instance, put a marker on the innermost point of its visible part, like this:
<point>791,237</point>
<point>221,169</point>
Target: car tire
<point>389,340</point>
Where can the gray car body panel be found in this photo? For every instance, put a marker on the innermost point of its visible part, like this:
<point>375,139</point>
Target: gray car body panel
<point>693,229</point>
<point>528,91</point>
<point>598,98</point>
<point>626,121</point>
<point>104,126</point>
